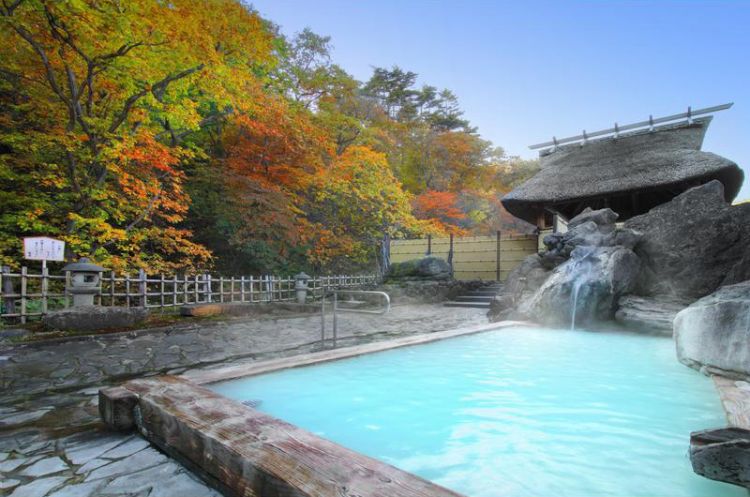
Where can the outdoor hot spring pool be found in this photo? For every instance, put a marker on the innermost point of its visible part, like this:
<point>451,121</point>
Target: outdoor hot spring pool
<point>513,412</point>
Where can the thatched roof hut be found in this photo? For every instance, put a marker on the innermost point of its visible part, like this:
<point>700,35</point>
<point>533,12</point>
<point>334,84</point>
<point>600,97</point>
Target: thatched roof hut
<point>629,174</point>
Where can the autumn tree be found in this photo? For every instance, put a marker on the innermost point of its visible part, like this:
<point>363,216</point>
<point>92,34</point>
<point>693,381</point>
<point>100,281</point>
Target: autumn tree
<point>357,201</point>
<point>99,102</point>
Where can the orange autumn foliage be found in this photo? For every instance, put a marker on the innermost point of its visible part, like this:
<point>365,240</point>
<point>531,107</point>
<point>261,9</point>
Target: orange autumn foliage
<point>441,209</point>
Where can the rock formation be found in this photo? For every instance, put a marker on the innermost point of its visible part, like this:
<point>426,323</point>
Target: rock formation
<point>714,332</point>
<point>691,244</point>
<point>580,276</point>
<point>640,274</point>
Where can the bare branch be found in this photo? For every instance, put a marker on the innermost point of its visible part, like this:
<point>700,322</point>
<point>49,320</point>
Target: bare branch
<point>160,87</point>
<point>50,73</point>
<point>176,136</point>
<point>157,89</point>
<point>10,7</point>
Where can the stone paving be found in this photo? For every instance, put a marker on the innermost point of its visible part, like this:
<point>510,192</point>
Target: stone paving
<point>89,464</point>
<point>51,443</point>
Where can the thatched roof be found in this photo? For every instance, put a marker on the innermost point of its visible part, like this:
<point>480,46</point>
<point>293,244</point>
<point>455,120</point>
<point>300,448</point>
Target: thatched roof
<point>632,173</point>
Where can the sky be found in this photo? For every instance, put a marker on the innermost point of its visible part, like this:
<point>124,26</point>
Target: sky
<point>527,70</point>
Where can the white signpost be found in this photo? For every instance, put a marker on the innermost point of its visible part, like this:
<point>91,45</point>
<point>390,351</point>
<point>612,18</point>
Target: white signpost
<point>42,248</point>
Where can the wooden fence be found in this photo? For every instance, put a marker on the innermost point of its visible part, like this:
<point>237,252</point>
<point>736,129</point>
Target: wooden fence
<point>474,257</point>
<point>25,294</point>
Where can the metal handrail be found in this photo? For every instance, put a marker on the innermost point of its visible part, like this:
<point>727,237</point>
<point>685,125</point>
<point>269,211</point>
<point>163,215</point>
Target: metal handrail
<point>384,310</point>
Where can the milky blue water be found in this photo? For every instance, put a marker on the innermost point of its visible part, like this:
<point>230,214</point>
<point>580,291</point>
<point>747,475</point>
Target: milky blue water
<point>513,412</point>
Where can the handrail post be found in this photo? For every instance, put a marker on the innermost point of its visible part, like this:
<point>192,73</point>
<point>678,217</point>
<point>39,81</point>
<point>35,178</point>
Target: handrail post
<point>45,287</point>
<point>335,318</point>
<point>323,320</point>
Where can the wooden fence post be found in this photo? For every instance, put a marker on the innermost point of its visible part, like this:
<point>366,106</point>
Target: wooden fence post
<point>112,288</point>
<point>498,255</point>
<point>450,253</point>
<point>127,290</point>
<point>9,303</point>
<point>429,245</point>
<point>23,294</point>
<point>143,287</point>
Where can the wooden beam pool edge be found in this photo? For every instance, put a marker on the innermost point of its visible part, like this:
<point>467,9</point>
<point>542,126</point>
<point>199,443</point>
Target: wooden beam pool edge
<point>208,376</point>
<point>246,453</point>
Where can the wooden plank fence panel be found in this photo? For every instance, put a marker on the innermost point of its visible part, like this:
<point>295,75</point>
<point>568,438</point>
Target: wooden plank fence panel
<point>474,257</point>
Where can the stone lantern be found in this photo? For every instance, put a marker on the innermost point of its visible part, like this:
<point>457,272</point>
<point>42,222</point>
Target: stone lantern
<point>300,286</point>
<point>84,280</point>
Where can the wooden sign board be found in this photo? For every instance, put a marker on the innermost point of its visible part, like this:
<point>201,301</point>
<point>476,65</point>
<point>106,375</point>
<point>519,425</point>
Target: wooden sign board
<point>42,248</point>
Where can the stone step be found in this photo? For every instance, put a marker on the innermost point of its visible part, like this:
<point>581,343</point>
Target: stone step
<point>482,293</point>
<point>473,298</point>
<point>477,305</point>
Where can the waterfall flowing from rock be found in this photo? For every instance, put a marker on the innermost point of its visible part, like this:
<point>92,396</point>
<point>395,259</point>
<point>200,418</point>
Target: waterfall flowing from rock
<point>580,269</point>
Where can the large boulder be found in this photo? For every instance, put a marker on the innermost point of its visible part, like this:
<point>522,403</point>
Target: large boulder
<point>714,332</point>
<point>601,217</point>
<point>426,268</point>
<point>585,289</point>
<point>520,284</point>
<point>94,318</point>
<point>692,243</point>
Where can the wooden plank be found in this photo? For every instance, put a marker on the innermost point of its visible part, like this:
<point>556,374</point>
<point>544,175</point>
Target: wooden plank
<point>244,452</point>
<point>735,398</point>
